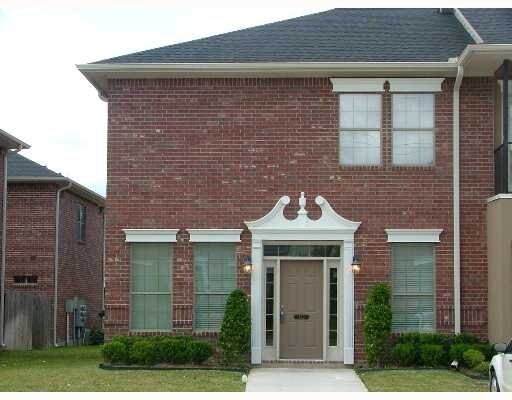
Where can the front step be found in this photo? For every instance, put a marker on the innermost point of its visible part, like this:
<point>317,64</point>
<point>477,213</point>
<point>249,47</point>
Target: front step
<point>303,364</point>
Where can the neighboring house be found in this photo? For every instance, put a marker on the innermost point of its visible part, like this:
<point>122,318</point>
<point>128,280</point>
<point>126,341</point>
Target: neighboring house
<point>65,266</point>
<point>7,142</point>
<point>384,118</point>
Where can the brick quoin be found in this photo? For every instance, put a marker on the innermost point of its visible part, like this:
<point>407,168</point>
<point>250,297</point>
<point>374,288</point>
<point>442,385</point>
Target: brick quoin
<point>213,153</point>
<point>31,246</point>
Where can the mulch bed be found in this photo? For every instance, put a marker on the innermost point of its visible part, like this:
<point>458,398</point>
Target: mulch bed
<point>160,367</point>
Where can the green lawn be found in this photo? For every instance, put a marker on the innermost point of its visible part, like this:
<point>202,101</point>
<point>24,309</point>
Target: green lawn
<point>422,380</point>
<point>76,370</point>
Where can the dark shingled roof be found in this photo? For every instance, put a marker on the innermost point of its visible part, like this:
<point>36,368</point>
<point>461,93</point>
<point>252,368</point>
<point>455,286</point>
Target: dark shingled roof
<point>339,35</point>
<point>19,166</point>
<point>494,25</point>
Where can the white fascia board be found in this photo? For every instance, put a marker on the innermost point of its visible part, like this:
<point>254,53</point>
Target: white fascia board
<point>421,85</point>
<point>215,235</point>
<point>358,85</point>
<point>413,235</point>
<point>150,235</point>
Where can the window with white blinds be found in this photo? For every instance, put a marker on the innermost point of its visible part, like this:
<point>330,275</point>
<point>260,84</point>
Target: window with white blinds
<point>214,280</point>
<point>151,286</point>
<point>413,287</point>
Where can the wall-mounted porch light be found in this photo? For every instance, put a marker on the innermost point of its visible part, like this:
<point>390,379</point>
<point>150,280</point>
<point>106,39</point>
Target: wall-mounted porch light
<point>247,264</point>
<point>356,265</point>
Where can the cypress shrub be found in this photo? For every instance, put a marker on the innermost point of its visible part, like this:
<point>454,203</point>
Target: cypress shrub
<point>377,324</point>
<point>235,333</point>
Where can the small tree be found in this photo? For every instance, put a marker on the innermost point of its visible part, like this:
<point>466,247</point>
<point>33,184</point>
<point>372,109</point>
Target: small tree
<point>377,324</point>
<point>235,333</point>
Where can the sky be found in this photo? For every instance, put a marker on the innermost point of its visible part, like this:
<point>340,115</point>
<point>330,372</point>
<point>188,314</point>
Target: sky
<point>47,103</point>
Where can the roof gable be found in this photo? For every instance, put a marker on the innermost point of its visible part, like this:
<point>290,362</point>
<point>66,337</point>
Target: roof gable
<point>338,35</point>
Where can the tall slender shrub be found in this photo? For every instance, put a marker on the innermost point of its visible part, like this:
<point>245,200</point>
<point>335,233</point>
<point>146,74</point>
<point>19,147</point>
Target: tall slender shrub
<point>235,332</point>
<point>377,324</point>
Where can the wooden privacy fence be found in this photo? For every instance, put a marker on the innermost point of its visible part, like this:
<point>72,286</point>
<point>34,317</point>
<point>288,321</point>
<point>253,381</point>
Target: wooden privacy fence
<point>28,321</point>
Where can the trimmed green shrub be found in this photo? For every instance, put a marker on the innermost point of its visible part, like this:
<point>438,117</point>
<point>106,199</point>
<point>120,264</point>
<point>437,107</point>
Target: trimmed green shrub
<point>482,368</point>
<point>404,354</point>
<point>431,355</point>
<point>457,351</point>
<point>486,348</point>
<point>235,333</point>
<point>200,352</point>
<point>96,336</point>
<point>377,324</point>
<point>143,352</point>
<point>466,338</point>
<point>473,357</point>
<point>115,352</point>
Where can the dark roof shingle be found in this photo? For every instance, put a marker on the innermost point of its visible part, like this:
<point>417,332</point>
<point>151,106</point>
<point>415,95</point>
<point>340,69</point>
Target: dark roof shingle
<point>494,25</point>
<point>338,35</point>
<point>19,166</point>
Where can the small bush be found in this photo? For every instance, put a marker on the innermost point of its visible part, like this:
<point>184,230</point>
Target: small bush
<point>482,368</point>
<point>143,352</point>
<point>235,333</point>
<point>404,354</point>
<point>96,336</point>
<point>115,352</point>
<point>377,324</point>
<point>457,351</point>
<point>200,352</point>
<point>473,357</point>
<point>465,338</point>
<point>431,355</point>
<point>486,348</point>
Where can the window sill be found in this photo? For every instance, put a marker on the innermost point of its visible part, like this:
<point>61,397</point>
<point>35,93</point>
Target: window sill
<point>81,242</point>
<point>25,285</point>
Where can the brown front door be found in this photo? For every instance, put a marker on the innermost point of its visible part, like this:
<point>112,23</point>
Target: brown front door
<point>302,311</point>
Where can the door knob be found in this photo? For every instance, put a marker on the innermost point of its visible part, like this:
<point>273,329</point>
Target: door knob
<point>281,314</point>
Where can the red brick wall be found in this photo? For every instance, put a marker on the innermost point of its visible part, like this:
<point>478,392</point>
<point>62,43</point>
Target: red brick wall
<point>212,153</point>
<point>31,246</point>
<point>80,262</point>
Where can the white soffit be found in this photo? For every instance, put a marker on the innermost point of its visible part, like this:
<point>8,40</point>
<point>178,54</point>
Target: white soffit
<point>150,235</point>
<point>358,85</point>
<point>215,235</point>
<point>415,84</point>
<point>413,235</point>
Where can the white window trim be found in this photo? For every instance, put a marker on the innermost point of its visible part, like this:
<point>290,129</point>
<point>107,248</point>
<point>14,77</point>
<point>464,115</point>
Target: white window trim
<point>413,235</point>
<point>215,235</point>
<point>358,85</point>
<point>150,235</point>
<point>421,85</point>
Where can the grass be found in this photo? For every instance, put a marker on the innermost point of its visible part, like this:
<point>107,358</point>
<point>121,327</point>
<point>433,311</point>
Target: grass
<point>75,369</point>
<point>421,380</point>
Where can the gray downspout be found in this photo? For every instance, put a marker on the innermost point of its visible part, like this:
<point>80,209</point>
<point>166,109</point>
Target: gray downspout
<point>4,248</point>
<point>56,263</point>
<point>456,200</point>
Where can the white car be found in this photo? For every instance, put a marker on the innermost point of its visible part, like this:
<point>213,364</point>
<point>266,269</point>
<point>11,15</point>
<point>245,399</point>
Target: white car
<point>500,370</point>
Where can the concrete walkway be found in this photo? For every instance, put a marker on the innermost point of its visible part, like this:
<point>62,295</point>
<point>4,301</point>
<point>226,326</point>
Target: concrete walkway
<point>304,380</point>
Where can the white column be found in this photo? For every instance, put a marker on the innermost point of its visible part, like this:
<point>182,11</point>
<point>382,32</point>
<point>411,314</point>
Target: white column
<point>348,303</point>
<point>256,299</point>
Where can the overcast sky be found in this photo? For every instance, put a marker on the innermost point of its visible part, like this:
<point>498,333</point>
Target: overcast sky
<point>47,103</point>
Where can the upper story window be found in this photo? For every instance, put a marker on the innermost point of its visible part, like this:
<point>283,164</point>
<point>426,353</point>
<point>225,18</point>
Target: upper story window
<point>81,222</point>
<point>360,125</point>
<point>413,129</point>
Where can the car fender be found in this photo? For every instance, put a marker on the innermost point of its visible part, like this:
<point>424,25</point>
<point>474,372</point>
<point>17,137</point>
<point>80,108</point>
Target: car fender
<point>497,366</point>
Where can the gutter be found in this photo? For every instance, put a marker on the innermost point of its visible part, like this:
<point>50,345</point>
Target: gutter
<point>4,245</point>
<point>456,199</point>
<point>56,262</point>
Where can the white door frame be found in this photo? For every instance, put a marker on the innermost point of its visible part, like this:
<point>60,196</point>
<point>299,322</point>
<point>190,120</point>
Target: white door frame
<point>274,226</point>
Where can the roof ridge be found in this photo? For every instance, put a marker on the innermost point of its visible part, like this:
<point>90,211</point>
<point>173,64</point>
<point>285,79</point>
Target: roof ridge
<point>467,26</point>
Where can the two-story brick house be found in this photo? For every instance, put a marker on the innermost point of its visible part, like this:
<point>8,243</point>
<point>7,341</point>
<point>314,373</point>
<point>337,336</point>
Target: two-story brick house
<point>54,243</point>
<point>328,152</point>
